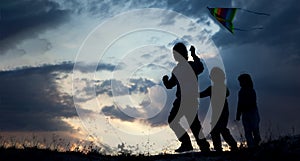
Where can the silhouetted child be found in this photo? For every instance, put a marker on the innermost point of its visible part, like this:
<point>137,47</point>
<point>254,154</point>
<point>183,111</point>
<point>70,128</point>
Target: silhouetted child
<point>247,107</point>
<point>220,111</point>
<point>185,76</point>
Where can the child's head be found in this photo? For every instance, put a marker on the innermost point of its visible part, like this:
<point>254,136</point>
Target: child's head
<point>179,51</point>
<point>245,81</point>
<point>217,75</point>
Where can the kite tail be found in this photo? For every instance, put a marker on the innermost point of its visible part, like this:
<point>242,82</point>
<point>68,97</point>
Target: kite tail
<point>258,13</point>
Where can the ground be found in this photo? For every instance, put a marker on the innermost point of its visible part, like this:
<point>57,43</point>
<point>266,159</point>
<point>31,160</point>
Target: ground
<point>285,148</point>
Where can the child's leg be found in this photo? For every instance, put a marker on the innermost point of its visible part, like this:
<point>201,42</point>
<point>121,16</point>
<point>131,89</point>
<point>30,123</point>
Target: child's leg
<point>182,135</point>
<point>174,124</point>
<point>228,138</point>
<point>256,133</point>
<point>257,137</point>
<point>196,129</point>
<point>247,123</point>
<point>249,137</point>
<point>216,138</point>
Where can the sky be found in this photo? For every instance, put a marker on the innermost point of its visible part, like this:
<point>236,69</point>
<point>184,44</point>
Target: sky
<point>91,70</point>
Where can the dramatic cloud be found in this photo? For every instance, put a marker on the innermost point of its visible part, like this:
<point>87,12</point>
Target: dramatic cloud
<point>91,68</point>
<point>153,108</point>
<point>25,19</point>
<point>104,9</point>
<point>160,119</point>
<point>195,8</point>
<point>31,102</point>
<point>115,113</point>
<point>30,99</point>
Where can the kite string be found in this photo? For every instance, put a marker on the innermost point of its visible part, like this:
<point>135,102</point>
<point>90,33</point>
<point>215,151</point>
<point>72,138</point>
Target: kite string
<point>251,29</point>
<point>254,12</point>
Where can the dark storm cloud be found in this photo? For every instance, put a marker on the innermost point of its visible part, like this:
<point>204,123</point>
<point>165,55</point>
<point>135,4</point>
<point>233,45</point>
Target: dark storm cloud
<point>30,100</point>
<point>91,68</point>
<point>140,85</point>
<point>105,88</point>
<point>115,113</point>
<point>195,8</point>
<point>67,66</point>
<point>21,19</point>
<point>105,9</point>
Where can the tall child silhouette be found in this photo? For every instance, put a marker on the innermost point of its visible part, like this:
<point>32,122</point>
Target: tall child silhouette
<point>185,76</point>
<point>247,107</point>
<point>220,111</point>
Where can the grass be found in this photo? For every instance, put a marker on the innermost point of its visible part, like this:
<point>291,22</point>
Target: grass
<point>284,148</point>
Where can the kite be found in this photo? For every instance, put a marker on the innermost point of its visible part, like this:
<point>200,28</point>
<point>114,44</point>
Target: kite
<point>226,15</point>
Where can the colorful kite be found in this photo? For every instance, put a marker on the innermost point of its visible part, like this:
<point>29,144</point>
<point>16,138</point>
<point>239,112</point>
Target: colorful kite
<point>226,15</point>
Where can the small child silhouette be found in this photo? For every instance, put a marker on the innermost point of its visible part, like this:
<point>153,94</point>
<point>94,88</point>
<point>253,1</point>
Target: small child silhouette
<point>220,111</point>
<point>247,107</point>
